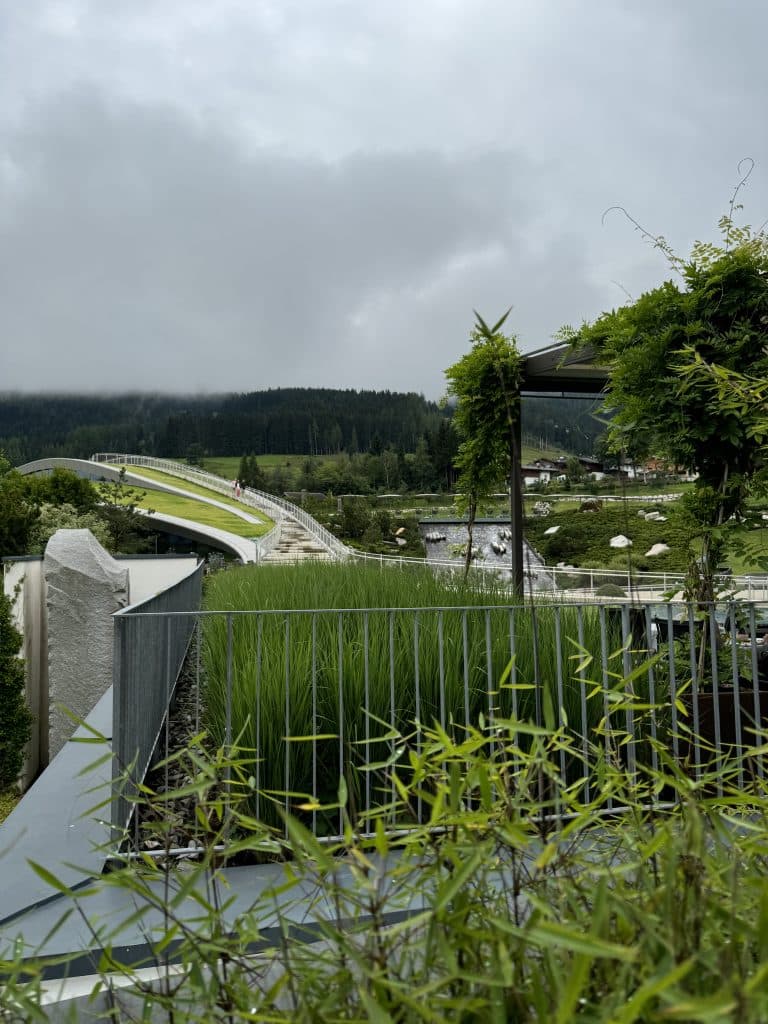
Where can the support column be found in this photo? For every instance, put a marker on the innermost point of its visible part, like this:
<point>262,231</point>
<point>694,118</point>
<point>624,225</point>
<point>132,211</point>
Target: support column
<point>516,508</point>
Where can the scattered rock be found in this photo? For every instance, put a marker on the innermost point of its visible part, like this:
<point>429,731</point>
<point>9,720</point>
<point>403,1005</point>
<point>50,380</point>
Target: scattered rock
<point>620,541</point>
<point>657,549</point>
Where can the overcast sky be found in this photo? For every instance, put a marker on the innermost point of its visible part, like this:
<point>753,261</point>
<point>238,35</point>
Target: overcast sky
<point>205,195</point>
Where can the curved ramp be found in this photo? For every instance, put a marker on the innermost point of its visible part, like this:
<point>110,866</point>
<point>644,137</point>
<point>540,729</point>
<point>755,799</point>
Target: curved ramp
<point>304,536</point>
<point>242,548</point>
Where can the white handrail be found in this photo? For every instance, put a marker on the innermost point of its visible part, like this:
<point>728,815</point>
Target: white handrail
<point>277,508</point>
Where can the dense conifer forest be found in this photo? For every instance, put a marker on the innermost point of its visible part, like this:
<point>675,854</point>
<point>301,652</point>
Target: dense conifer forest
<point>293,421</point>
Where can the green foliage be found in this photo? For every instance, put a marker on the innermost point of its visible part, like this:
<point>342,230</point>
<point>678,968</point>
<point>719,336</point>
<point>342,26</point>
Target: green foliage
<point>118,507</point>
<point>688,364</point>
<point>513,900</point>
<point>610,590</point>
<point>17,514</point>
<point>64,517</point>
<point>486,384</point>
<point>355,517</point>
<point>250,473</point>
<point>15,719</point>
<point>62,487</point>
<point>583,538</point>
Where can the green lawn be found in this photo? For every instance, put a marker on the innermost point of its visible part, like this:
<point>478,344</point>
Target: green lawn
<point>201,512</point>
<point>529,454</point>
<point>204,492</point>
<point>228,466</point>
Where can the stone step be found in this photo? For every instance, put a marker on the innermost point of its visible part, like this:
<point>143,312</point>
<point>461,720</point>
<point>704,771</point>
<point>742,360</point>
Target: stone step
<point>296,545</point>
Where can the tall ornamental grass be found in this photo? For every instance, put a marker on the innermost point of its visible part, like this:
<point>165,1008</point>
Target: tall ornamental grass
<point>341,658</point>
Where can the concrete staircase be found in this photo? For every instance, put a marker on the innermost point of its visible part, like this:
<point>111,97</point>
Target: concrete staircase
<point>296,545</point>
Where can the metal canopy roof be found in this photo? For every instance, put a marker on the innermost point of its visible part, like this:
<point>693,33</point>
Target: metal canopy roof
<point>560,370</point>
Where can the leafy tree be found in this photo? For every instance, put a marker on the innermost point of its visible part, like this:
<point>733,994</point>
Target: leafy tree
<point>65,517</point>
<point>276,483</point>
<point>574,469</point>
<point>195,454</point>
<point>486,384</point>
<point>443,445</point>
<point>17,513</point>
<point>307,477</point>
<point>422,469</point>
<point>675,356</point>
<point>250,473</point>
<point>15,718</point>
<point>63,487</point>
<point>391,467</point>
<point>356,518</point>
<point>119,510</point>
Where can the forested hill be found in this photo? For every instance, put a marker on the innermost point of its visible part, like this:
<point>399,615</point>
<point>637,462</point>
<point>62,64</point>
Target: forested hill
<point>286,420</point>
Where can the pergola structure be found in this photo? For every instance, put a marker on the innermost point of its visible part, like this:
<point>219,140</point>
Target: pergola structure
<point>557,371</point>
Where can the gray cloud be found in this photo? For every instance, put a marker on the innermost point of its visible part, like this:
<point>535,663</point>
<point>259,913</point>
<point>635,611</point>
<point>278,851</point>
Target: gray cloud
<point>237,196</point>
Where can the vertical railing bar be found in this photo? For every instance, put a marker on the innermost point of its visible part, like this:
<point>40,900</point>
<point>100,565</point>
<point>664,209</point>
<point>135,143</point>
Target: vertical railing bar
<point>287,723</point>
<point>441,666</point>
<point>340,655</point>
<point>168,686</point>
<point>536,667</point>
<point>489,680</point>
<point>228,717</point>
<point>391,617</point>
<point>198,644</point>
<point>651,687</point>
<point>672,684</point>
<point>314,723</point>
<point>626,659</point>
<point>736,693</point>
<point>257,694</point>
<point>367,701</point>
<point>583,701</point>
<point>694,692</point>
<point>465,643</point>
<point>606,704</point>
<point>513,660</point>
<point>417,696</point>
<point>560,694</point>
<point>756,688</point>
<point>715,697</point>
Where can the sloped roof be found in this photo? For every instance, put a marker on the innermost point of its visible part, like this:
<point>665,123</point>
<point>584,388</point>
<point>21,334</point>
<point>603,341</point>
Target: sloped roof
<point>560,370</point>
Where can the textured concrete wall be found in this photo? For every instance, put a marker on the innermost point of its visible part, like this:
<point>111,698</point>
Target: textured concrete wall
<point>84,587</point>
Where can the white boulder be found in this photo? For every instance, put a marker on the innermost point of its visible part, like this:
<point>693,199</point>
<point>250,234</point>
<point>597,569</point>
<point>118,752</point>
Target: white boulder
<point>657,549</point>
<point>620,541</point>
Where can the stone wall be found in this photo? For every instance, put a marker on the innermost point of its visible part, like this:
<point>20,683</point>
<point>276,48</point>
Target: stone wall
<point>84,587</point>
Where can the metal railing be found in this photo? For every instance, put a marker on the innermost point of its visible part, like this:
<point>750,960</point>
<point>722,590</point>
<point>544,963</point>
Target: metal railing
<point>556,578</point>
<point>324,695</point>
<point>574,584</point>
<point>274,506</point>
<point>268,541</point>
<point>151,640</point>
